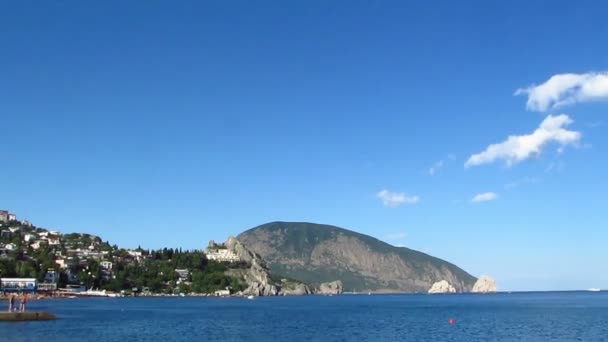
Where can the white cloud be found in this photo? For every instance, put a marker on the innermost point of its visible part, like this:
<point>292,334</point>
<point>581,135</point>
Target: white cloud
<point>521,147</point>
<point>484,197</point>
<point>436,167</point>
<point>565,89</point>
<point>395,199</point>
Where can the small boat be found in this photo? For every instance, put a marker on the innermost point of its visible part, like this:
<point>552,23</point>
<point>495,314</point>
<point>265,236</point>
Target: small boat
<point>250,297</point>
<point>594,289</point>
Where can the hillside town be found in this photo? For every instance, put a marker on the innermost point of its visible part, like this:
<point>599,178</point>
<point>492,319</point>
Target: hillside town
<point>34,259</point>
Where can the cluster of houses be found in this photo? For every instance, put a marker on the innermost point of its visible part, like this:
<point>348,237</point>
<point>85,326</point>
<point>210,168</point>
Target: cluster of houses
<point>71,252</point>
<point>66,254</point>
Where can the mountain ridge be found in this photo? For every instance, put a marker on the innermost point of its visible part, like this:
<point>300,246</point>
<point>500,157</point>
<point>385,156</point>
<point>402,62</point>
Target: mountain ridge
<point>316,253</point>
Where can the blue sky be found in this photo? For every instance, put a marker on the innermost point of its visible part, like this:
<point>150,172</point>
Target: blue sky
<point>172,124</point>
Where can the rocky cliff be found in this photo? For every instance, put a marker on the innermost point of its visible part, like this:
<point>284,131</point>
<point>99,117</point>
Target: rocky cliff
<point>331,288</point>
<point>257,276</point>
<point>316,254</point>
<point>484,284</point>
<point>442,287</point>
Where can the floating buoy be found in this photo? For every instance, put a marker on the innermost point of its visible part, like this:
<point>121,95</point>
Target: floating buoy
<point>452,321</point>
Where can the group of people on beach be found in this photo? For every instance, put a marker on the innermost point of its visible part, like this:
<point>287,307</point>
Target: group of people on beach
<point>11,303</point>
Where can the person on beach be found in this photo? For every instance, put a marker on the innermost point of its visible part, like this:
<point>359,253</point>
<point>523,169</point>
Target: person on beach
<point>23,302</point>
<point>11,303</point>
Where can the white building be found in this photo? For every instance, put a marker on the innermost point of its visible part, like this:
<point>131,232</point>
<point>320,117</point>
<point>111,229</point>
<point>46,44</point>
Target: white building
<point>106,265</point>
<point>10,247</point>
<point>222,293</point>
<point>60,263</point>
<point>222,255</point>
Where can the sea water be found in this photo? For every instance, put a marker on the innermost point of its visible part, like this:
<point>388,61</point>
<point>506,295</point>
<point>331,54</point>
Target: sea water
<point>549,316</point>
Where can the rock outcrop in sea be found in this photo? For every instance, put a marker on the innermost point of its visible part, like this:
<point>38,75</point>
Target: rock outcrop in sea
<point>442,287</point>
<point>331,288</point>
<point>294,289</point>
<point>484,284</point>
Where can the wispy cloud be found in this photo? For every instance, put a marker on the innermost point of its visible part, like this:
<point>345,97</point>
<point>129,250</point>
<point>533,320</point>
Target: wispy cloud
<point>436,167</point>
<point>484,197</point>
<point>521,147</point>
<point>565,89</point>
<point>395,199</point>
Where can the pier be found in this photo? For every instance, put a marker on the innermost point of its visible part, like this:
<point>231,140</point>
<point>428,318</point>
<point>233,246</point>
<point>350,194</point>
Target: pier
<point>27,316</point>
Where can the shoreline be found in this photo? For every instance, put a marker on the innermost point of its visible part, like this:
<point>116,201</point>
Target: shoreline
<point>30,297</point>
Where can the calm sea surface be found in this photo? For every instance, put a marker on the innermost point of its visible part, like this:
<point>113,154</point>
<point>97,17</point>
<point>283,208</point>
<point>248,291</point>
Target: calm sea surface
<point>556,316</point>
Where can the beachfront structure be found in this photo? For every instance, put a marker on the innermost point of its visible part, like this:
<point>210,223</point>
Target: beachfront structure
<point>47,287</point>
<point>18,284</point>
<point>51,276</point>
<point>222,255</point>
<point>222,293</point>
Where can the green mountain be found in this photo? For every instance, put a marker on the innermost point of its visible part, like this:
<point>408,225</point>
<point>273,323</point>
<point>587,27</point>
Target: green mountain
<point>316,253</point>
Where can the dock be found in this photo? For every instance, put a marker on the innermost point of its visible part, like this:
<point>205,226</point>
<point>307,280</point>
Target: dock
<point>27,316</point>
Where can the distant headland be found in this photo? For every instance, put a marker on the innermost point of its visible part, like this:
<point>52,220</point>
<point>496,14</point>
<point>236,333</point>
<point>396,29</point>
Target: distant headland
<point>278,258</point>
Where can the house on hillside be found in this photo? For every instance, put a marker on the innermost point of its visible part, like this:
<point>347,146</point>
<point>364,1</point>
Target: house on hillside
<point>10,247</point>
<point>4,216</point>
<point>12,217</point>
<point>29,236</point>
<point>136,255</point>
<point>106,265</point>
<point>61,263</point>
<point>183,274</point>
